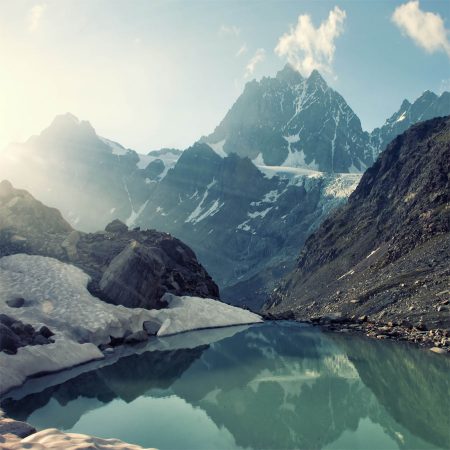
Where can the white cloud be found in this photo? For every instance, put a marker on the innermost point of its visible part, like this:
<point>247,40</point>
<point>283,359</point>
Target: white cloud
<point>229,30</point>
<point>259,56</point>
<point>35,16</point>
<point>307,48</point>
<point>426,29</point>
<point>445,86</point>
<point>242,51</point>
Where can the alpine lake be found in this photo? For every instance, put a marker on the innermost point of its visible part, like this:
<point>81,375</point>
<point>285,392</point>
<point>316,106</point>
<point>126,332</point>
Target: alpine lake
<point>276,385</point>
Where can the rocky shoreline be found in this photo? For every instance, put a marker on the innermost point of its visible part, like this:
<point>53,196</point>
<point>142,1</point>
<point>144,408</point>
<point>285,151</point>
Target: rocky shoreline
<point>436,340</point>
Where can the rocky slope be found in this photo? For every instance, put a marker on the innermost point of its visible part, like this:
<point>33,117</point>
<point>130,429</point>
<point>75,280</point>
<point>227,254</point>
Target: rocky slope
<point>129,267</point>
<point>385,254</point>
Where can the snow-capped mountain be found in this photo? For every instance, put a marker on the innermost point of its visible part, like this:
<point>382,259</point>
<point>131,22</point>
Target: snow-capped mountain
<point>238,219</point>
<point>427,106</point>
<point>245,198</point>
<point>92,180</point>
<point>296,122</point>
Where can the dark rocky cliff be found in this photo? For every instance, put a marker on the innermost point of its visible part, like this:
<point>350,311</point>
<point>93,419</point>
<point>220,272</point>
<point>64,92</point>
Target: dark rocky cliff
<point>384,254</point>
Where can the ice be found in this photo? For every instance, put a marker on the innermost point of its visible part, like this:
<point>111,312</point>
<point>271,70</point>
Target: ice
<point>194,313</point>
<point>218,148</point>
<point>56,296</point>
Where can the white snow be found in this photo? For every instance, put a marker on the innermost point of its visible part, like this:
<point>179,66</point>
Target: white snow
<point>372,253</point>
<point>342,185</point>
<point>261,214</point>
<point>169,159</point>
<point>296,159</point>
<point>199,212</point>
<point>116,148</point>
<point>57,297</point>
<point>218,148</point>
<point>191,313</point>
<point>53,439</point>
<point>135,214</point>
<point>401,118</point>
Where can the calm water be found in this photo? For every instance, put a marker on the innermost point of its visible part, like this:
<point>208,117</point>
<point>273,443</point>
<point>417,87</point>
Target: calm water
<point>269,386</point>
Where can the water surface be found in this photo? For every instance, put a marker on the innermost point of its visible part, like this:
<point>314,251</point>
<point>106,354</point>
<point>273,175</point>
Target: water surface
<point>270,386</point>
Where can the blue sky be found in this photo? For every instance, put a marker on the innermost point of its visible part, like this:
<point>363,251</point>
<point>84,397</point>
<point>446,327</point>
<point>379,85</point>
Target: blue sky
<point>162,73</point>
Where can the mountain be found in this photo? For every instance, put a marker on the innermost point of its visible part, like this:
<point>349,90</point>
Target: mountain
<point>240,220</point>
<point>426,107</point>
<point>129,267</point>
<point>245,198</point>
<point>92,180</point>
<point>385,253</point>
<point>294,121</point>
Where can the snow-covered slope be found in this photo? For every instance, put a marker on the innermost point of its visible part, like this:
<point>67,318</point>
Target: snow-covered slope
<point>57,297</point>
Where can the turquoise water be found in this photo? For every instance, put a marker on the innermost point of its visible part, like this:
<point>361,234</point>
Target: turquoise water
<point>269,386</point>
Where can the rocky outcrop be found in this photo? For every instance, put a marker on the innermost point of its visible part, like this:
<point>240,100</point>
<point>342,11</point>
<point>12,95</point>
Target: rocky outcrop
<point>128,267</point>
<point>15,334</point>
<point>385,254</point>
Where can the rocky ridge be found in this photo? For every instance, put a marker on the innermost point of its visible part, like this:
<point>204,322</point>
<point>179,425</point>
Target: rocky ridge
<point>383,257</point>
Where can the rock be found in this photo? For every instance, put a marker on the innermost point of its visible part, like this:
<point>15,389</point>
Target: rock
<point>138,336</point>
<point>44,331</point>
<point>116,226</point>
<point>335,317</point>
<point>18,428</point>
<point>133,278</point>
<point>442,309</point>
<point>151,327</point>
<point>381,336</point>
<point>362,318</point>
<point>40,340</point>
<point>17,302</point>
<point>108,350</point>
<point>6,320</point>
<point>9,341</point>
<point>438,350</point>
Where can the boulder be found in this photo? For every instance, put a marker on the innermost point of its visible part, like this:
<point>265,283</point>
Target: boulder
<point>116,226</point>
<point>9,341</point>
<point>134,338</point>
<point>151,327</point>
<point>17,302</point>
<point>133,279</point>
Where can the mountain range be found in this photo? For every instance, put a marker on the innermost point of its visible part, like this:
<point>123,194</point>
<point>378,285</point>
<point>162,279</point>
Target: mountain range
<point>245,198</point>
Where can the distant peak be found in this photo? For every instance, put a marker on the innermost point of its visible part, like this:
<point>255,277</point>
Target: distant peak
<point>67,123</point>
<point>315,77</point>
<point>428,95</point>
<point>405,104</point>
<point>289,75</point>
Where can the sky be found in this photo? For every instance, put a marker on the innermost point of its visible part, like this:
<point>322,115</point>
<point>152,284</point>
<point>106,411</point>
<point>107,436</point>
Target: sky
<point>153,73</point>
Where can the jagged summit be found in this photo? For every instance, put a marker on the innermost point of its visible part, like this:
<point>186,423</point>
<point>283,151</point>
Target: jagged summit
<point>427,106</point>
<point>69,126</point>
<point>293,121</point>
<point>289,75</point>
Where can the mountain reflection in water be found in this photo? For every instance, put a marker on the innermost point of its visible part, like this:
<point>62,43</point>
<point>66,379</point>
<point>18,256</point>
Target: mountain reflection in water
<point>275,385</point>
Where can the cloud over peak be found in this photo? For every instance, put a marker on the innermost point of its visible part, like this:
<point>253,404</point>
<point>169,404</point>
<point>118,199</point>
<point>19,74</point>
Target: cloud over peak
<point>307,48</point>
<point>258,57</point>
<point>426,29</point>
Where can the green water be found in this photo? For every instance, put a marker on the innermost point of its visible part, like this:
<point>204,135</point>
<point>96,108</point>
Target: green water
<point>270,386</point>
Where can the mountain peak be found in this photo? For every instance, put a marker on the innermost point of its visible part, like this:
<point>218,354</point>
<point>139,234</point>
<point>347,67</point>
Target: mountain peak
<point>289,74</point>
<point>316,78</point>
<point>64,125</point>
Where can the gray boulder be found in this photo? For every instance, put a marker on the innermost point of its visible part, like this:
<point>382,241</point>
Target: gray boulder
<point>116,226</point>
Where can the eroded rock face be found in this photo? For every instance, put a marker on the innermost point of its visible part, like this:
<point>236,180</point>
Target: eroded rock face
<point>128,267</point>
<point>385,254</point>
